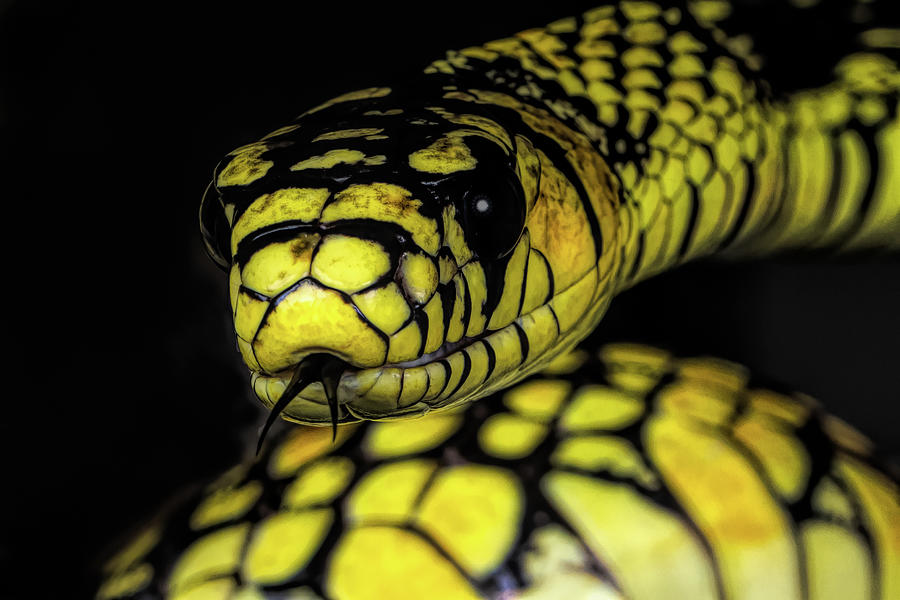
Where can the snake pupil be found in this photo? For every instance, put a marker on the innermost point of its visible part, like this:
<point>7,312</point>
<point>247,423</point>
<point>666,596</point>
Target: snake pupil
<point>495,217</point>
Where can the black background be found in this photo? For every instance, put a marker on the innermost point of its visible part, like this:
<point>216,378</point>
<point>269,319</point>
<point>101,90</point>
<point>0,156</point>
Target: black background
<point>125,385</point>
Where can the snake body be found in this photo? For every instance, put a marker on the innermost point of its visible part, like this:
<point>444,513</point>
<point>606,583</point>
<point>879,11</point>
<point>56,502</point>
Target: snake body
<point>603,149</point>
<point>413,251</point>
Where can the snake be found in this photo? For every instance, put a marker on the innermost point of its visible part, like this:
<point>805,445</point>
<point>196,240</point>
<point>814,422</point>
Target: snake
<point>413,271</point>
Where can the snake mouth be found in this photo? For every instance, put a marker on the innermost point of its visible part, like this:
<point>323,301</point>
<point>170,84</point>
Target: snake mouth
<point>457,372</point>
<point>329,371</point>
<point>445,350</point>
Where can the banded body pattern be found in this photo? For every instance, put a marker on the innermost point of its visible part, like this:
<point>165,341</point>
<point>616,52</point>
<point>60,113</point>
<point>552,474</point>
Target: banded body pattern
<point>447,239</point>
<point>636,476</point>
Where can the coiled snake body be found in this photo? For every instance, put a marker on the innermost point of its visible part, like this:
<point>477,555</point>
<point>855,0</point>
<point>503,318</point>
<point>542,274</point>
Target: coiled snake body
<point>397,252</point>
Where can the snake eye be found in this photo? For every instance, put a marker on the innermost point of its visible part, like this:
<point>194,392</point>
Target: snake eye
<point>494,216</point>
<point>215,228</point>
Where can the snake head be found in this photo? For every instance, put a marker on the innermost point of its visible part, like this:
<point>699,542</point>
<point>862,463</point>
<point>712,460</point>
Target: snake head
<point>431,246</point>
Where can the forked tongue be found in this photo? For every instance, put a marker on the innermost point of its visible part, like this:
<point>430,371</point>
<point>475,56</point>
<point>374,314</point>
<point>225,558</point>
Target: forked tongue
<point>315,367</point>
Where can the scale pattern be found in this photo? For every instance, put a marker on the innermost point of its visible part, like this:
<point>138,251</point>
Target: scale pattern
<point>710,157</point>
<point>605,148</point>
<point>602,149</point>
<point>634,476</point>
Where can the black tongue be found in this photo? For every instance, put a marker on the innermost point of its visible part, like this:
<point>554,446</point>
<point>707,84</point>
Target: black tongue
<point>331,377</point>
<point>316,367</point>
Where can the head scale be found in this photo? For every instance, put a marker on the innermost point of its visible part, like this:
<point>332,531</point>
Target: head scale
<point>429,246</point>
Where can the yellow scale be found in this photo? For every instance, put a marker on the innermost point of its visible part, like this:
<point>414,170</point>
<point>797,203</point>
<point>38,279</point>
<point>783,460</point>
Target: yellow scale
<point>672,474</point>
<point>660,477</point>
<point>719,168</point>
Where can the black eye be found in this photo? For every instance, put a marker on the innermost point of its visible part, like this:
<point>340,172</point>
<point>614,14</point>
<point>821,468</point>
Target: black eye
<point>494,215</point>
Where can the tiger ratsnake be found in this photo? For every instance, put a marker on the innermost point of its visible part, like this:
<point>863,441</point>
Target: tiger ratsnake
<point>402,251</point>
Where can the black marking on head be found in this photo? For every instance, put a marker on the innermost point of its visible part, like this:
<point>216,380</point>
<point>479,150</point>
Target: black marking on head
<point>551,286</point>
<point>253,294</point>
<point>421,319</point>
<point>558,157</point>
<point>448,300</point>
<point>467,303</point>
<point>392,237</point>
<point>494,276</point>
<point>283,231</point>
<point>415,128</point>
<point>447,373</point>
<point>555,319</point>
<point>491,357</point>
<point>467,368</point>
<point>524,285</point>
<point>523,341</point>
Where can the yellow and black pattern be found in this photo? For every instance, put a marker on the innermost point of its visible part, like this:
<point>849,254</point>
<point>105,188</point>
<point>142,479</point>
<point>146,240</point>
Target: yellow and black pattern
<point>436,243</point>
<point>710,161</point>
<point>401,251</point>
<point>628,474</point>
<point>432,292</point>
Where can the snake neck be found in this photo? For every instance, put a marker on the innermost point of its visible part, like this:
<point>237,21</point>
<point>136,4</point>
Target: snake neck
<point>707,161</point>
